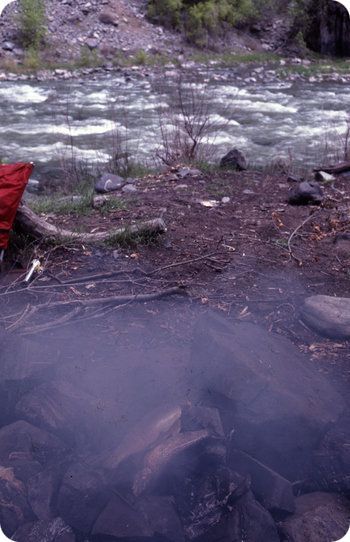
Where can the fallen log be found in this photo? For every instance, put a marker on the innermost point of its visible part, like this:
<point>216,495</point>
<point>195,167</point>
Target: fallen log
<point>342,167</point>
<point>39,228</point>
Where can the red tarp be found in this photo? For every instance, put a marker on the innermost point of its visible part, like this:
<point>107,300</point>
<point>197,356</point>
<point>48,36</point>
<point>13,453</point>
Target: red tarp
<point>13,180</point>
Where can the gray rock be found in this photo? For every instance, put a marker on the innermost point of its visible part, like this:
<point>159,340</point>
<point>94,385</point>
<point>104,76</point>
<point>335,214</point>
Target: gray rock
<point>307,192</point>
<point>92,43</point>
<point>40,492</point>
<point>120,520</point>
<point>162,517</point>
<point>23,439</point>
<point>273,491</point>
<point>332,459</point>
<point>234,159</point>
<point>160,459</point>
<point>54,530</point>
<point>154,425</point>
<point>63,409</point>
<point>147,517</point>
<point>327,315</point>
<point>265,390</point>
<point>319,517</point>
<point>8,46</point>
<point>108,16</point>
<point>129,189</point>
<point>188,172</point>
<point>323,177</point>
<point>109,183</point>
<point>82,496</point>
<point>99,201</point>
<point>19,359</point>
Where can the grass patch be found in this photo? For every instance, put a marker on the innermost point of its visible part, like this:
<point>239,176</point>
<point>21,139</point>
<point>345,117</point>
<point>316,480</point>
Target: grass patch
<point>81,205</point>
<point>232,59</point>
<point>322,67</point>
<point>111,205</point>
<point>142,58</point>
<point>128,239</point>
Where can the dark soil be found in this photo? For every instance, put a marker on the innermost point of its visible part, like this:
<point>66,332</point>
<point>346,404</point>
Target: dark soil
<point>233,257</point>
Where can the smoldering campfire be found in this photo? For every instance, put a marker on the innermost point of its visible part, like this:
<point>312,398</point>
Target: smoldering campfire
<point>212,431</point>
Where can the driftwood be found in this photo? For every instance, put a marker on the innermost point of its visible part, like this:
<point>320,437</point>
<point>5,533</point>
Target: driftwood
<point>38,228</point>
<point>342,167</point>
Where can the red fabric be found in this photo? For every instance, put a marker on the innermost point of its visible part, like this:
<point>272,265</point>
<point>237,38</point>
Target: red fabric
<point>13,180</point>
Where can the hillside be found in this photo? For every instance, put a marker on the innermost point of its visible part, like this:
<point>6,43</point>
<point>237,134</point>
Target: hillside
<point>88,33</point>
<point>93,30</point>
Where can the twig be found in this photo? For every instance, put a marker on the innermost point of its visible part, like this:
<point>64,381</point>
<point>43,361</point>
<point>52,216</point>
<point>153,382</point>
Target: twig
<point>294,233</point>
<point>55,323</point>
<point>184,262</point>
<point>96,302</point>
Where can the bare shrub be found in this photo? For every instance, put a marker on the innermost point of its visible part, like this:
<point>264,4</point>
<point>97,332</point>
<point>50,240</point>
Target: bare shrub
<point>336,145</point>
<point>188,127</point>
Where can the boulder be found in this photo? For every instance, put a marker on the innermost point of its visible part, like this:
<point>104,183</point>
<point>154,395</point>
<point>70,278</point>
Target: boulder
<point>332,459</point>
<point>23,359</point>
<point>307,192</point>
<point>234,159</point>
<point>109,183</point>
<point>54,530</point>
<point>41,488</point>
<point>274,404</point>
<point>319,517</point>
<point>109,16</point>
<point>14,508</point>
<point>121,520</point>
<point>23,440</point>
<point>327,315</point>
<point>162,458</point>
<point>158,424</point>
<point>61,408</point>
<point>197,418</point>
<point>153,516</point>
<point>273,491</point>
<point>82,496</point>
<point>247,520</point>
<point>162,516</point>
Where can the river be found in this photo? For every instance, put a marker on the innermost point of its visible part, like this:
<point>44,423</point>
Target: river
<point>42,122</point>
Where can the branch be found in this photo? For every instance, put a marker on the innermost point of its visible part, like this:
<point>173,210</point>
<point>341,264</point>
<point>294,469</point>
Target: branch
<point>77,304</point>
<point>39,228</point>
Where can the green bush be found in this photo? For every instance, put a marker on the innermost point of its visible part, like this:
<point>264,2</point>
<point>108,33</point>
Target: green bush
<point>32,19</point>
<point>167,12</point>
<point>200,18</point>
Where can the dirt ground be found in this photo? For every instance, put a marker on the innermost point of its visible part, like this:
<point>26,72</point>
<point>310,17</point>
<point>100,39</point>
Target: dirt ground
<point>254,257</point>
